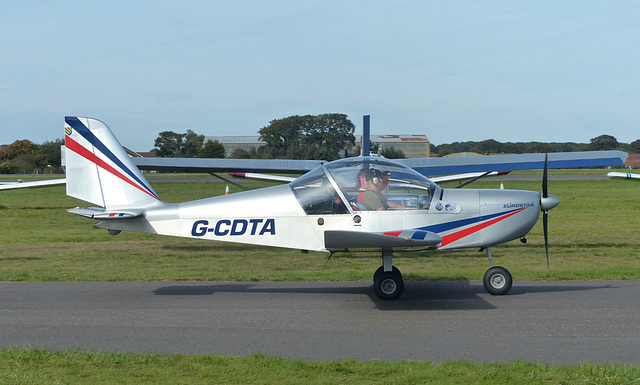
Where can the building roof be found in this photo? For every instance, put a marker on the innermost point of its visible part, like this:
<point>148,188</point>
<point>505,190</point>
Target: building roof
<point>235,139</point>
<point>632,161</point>
<point>395,138</point>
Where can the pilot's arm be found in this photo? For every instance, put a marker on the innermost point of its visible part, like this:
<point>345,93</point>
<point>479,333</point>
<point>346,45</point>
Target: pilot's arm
<point>397,206</point>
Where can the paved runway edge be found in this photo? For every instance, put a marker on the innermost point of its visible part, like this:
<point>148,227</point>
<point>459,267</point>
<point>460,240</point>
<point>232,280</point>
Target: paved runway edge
<point>553,322</point>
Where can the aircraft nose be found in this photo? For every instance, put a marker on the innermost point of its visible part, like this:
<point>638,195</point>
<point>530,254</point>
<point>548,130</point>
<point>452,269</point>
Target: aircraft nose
<point>548,202</point>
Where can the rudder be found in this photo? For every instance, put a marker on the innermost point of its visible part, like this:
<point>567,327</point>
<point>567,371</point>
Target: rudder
<point>98,168</point>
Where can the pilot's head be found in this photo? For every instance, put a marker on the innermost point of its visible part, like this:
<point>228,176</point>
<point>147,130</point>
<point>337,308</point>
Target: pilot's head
<point>371,176</point>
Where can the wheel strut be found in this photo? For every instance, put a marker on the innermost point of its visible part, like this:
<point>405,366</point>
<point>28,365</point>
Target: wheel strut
<point>489,256</point>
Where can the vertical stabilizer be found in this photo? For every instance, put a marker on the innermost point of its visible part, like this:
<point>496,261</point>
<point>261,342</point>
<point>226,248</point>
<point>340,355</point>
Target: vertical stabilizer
<point>98,168</point>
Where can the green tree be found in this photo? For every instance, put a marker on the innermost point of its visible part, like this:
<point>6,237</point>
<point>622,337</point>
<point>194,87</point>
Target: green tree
<point>173,145</point>
<point>387,152</point>
<point>239,153</point>
<point>21,156</point>
<point>18,147</point>
<point>535,147</point>
<point>604,142</point>
<point>281,136</point>
<point>445,151</point>
<point>488,146</point>
<point>392,153</point>
<point>168,143</point>
<point>191,145</point>
<point>212,149</point>
<point>635,146</point>
<point>50,153</point>
<point>307,137</point>
<point>26,163</point>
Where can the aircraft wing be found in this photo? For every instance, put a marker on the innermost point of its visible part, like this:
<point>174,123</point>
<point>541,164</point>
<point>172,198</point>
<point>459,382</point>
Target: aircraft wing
<point>253,175</point>
<point>425,166</point>
<point>281,166</point>
<point>466,164</point>
<point>468,175</point>
<point>32,184</point>
<point>623,175</point>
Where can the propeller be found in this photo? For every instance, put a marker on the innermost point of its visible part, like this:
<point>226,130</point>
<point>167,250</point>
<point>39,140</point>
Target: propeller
<point>547,202</point>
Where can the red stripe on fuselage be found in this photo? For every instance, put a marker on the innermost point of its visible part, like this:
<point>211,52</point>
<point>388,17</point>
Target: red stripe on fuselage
<point>83,152</point>
<point>447,239</point>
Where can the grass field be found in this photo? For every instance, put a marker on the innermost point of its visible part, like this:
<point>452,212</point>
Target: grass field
<point>33,366</point>
<point>592,234</point>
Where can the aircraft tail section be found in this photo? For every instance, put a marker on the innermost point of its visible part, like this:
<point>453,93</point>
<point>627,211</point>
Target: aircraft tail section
<point>98,168</point>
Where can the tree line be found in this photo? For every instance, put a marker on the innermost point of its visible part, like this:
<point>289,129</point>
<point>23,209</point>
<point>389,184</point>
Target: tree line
<point>490,146</point>
<point>295,137</point>
<point>324,137</point>
<point>25,157</point>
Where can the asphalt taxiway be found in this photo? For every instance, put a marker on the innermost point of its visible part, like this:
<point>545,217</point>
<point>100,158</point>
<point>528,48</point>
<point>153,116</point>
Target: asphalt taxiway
<point>551,322</point>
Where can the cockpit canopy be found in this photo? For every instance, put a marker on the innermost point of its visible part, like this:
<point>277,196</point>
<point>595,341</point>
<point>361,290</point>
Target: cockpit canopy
<point>338,187</point>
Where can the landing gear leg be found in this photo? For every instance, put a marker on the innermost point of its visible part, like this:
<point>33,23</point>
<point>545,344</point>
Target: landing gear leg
<point>387,280</point>
<point>497,280</point>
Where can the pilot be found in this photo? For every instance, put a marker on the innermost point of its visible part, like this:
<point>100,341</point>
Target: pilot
<point>372,182</point>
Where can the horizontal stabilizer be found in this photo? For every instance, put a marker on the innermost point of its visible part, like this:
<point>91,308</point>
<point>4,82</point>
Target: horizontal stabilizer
<point>99,213</point>
<point>336,239</point>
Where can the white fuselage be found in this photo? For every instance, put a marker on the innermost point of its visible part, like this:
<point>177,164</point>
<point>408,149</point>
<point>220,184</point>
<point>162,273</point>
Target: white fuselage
<point>274,217</point>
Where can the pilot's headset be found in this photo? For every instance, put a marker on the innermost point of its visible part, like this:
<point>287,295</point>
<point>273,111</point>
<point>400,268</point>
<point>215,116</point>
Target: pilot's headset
<point>378,178</point>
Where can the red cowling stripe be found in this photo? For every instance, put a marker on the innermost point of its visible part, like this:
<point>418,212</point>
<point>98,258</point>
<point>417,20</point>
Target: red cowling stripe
<point>447,239</point>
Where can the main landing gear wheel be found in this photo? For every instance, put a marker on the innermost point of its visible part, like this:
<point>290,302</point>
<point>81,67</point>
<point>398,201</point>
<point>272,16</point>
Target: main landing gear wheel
<point>497,280</point>
<point>388,284</point>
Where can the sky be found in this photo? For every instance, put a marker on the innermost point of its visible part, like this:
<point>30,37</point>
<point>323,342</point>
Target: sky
<point>512,71</point>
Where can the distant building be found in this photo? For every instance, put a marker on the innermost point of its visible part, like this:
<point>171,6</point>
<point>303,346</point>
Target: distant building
<point>413,146</point>
<point>232,143</point>
<point>140,154</point>
<point>633,161</point>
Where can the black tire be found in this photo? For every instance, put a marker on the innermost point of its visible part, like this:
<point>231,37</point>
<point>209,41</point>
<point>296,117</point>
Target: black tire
<point>497,280</point>
<point>388,285</point>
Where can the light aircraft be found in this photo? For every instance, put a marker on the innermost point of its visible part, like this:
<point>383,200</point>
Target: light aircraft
<point>323,210</point>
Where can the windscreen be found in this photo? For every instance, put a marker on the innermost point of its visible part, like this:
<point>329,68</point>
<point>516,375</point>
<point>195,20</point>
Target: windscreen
<point>316,194</point>
<point>394,182</point>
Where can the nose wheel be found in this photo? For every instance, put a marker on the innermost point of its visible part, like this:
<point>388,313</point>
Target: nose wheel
<point>497,280</point>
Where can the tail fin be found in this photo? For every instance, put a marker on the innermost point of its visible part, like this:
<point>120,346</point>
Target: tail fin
<point>99,170</point>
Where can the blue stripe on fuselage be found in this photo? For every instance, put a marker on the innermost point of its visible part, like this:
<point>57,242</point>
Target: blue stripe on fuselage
<point>442,227</point>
